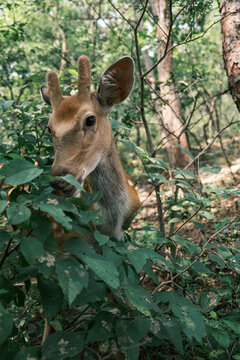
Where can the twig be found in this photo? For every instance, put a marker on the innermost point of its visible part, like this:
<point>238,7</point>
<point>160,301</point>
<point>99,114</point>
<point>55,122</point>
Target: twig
<point>196,259</point>
<point>210,144</point>
<point>189,219</point>
<point>5,255</point>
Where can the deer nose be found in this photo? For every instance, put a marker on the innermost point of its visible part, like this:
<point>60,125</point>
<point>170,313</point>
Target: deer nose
<point>60,185</point>
<point>58,171</point>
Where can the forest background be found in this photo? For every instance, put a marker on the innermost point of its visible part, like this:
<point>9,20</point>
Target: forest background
<point>174,281</point>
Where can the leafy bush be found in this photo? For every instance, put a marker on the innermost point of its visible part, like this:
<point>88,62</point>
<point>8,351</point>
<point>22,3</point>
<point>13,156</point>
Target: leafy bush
<point>175,296</point>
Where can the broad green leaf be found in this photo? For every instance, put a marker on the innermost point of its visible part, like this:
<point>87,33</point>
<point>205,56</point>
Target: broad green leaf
<point>185,150</point>
<point>8,290</point>
<point>94,216</point>
<point>41,225</point>
<point>57,213</point>
<point>101,239</point>
<point>6,104</point>
<point>207,215</point>
<point>140,298</point>
<point>71,180</point>
<point>29,352</point>
<point>200,268</point>
<point>221,337</point>
<point>104,268</point>
<point>9,349</point>
<point>77,246</point>
<point>173,332</point>
<point>46,263</point>
<point>31,248</point>
<point>17,213</point>
<point>199,225</point>
<point>102,328</point>
<point>4,237</point>
<point>92,198</point>
<point>3,204</point>
<point>19,172</point>
<point>184,174</point>
<point>215,169</point>
<point>63,345</point>
<point>52,297</point>
<point>72,277</point>
<point>5,324</point>
<point>95,291</point>
<point>139,256</point>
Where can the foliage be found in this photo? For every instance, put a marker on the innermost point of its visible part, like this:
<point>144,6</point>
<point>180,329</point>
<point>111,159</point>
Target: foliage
<point>159,293</point>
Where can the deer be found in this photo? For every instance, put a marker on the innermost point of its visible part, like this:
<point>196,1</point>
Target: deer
<point>83,141</point>
<point>84,146</point>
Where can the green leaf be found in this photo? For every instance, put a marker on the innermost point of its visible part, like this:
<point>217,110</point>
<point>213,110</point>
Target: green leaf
<point>4,237</point>
<point>185,150</point>
<point>71,180</point>
<point>139,256</point>
<point>102,328</point>
<point>92,198</point>
<point>140,299</point>
<point>215,169</point>
<point>101,239</point>
<point>29,352</point>
<point>53,210</point>
<point>77,246</point>
<point>3,204</point>
<point>52,297</point>
<point>63,345</point>
<point>41,225</point>
<point>199,225</point>
<point>199,267</point>
<point>207,215</point>
<point>173,332</point>
<point>5,324</point>
<point>6,104</point>
<point>221,337</point>
<point>184,174</point>
<point>104,268</point>
<point>19,172</point>
<point>9,349</point>
<point>72,277</point>
<point>17,213</point>
<point>31,248</point>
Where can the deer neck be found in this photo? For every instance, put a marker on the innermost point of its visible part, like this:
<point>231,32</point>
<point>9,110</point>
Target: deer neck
<point>108,177</point>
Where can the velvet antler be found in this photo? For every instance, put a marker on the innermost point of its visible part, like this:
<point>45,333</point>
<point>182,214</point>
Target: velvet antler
<point>83,77</point>
<point>54,89</point>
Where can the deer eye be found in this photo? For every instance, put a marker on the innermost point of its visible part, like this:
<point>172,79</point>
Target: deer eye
<point>90,120</point>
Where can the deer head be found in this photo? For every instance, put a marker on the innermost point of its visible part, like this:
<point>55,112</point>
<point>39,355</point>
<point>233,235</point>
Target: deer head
<point>79,124</point>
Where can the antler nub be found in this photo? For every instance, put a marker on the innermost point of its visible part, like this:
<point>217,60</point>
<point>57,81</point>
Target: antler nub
<point>83,77</point>
<point>54,89</point>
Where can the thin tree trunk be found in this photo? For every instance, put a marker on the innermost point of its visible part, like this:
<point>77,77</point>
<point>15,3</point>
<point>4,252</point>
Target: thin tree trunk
<point>64,48</point>
<point>172,126</point>
<point>230,22</point>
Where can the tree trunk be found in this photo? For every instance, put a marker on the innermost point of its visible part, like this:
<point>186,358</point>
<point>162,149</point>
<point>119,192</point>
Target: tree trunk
<point>172,127</point>
<point>230,22</point>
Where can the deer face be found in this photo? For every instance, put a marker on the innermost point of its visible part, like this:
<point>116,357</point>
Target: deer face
<point>79,125</point>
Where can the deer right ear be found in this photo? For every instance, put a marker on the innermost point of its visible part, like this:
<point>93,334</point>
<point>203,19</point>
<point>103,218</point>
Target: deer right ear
<point>116,82</point>
<point>44,95</point>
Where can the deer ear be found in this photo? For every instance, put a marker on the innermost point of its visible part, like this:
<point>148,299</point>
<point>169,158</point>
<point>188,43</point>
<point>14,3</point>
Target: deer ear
<point>45,96</point>
<point>116,82</point>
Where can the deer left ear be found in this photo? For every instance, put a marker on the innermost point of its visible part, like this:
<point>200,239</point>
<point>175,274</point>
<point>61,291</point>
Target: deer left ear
<point>45,96</point>
<point>116,82</point>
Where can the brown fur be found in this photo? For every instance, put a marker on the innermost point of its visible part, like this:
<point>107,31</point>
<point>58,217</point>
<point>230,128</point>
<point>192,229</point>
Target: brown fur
<point>88,152</point>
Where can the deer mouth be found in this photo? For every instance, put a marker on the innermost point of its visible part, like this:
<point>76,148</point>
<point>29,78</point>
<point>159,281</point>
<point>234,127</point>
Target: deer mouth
<point>66,189</point>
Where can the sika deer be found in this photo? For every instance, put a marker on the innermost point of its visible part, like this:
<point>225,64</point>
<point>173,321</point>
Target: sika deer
<point>83,140</point>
